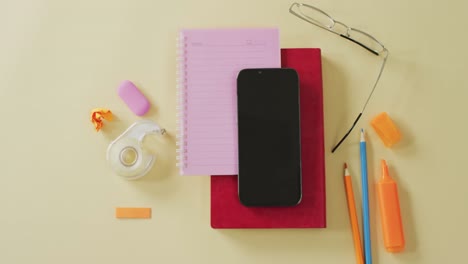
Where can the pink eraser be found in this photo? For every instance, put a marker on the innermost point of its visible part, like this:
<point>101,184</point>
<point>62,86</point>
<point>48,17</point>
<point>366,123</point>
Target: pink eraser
<point>134,99</point>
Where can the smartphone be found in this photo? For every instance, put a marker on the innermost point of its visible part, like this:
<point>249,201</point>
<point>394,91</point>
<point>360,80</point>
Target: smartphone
<point>269,137</point>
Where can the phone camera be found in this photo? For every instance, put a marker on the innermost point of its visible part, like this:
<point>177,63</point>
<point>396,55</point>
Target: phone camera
<point>259,72</point>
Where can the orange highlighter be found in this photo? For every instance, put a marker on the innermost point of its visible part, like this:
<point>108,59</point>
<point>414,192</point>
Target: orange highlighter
<point>392,227</point>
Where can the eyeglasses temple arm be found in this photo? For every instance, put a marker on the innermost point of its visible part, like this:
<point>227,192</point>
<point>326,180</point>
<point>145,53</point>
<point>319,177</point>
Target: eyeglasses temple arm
<point>349,131</point>
<point>376,80</point>
<point>367,101</point>
<point>360,44</point>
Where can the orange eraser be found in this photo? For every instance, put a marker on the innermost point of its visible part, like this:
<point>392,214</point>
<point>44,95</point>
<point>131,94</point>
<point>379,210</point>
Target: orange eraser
<point>121,212</point>
<point>386,129</point>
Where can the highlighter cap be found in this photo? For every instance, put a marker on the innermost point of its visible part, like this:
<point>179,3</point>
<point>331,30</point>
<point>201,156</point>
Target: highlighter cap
<point>386,129</point>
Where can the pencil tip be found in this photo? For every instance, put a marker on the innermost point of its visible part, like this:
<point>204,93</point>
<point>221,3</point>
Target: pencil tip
<point>345,165</point>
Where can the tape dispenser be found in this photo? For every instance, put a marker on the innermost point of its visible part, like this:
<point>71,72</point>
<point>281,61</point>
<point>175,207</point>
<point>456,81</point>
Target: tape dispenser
<point>127,155</point>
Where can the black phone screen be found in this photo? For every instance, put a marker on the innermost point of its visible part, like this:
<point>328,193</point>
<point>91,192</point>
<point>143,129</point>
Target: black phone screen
<point>269,137</point>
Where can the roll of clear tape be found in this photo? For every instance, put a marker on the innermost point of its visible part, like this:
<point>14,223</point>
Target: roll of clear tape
<point>127,155</point>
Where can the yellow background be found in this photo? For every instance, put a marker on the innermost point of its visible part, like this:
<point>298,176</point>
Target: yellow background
<point>59,59</point>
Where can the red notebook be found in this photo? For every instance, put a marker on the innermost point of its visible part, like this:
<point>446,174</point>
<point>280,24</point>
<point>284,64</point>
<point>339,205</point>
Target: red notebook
<point>226,209</point>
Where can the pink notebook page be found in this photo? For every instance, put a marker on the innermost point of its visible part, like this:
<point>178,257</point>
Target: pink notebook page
<point>212,60</point>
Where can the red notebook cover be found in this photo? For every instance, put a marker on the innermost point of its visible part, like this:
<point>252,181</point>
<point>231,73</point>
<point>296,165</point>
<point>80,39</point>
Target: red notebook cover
<point>226,209</point>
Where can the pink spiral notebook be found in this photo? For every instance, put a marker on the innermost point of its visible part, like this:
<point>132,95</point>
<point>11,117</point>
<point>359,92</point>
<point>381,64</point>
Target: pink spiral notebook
<point>208,64</point>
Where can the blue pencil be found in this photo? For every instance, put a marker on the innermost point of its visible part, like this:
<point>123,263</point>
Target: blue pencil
<point>365,201</point>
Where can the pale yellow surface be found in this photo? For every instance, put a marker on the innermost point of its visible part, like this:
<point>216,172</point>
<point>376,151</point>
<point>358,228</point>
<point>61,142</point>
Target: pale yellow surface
<point>60,59</point>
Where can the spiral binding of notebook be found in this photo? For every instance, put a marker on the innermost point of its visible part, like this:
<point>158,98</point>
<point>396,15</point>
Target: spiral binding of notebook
<point>181,151</point>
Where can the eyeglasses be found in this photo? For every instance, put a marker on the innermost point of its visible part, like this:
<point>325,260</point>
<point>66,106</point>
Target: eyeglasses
<point>321,19</point>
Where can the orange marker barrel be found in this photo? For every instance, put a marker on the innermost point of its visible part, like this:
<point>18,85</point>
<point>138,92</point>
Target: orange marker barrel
<point>392,227</point>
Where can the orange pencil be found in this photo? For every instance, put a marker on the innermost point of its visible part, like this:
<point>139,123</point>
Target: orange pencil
<point>353,216</point>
